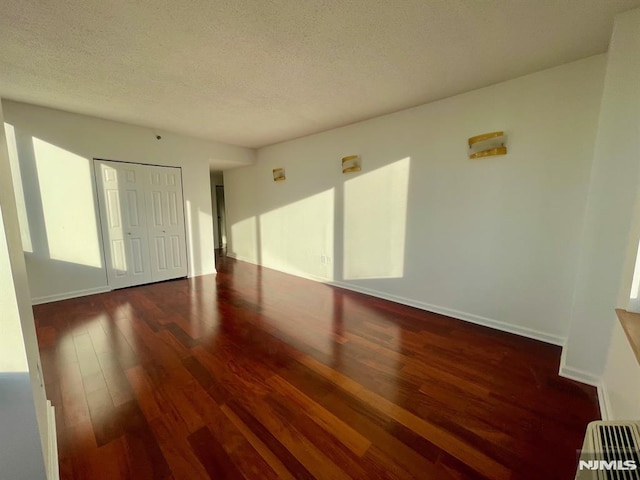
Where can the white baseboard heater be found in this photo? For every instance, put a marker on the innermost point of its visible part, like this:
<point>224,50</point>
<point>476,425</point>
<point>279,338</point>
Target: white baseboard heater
<point>611,451</point>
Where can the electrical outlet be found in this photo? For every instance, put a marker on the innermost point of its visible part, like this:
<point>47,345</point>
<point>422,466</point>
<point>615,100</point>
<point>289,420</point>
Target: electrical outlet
<point>323,259</point>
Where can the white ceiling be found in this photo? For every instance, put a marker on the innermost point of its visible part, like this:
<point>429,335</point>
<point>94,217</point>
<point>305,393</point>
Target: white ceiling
<point>254,73</point>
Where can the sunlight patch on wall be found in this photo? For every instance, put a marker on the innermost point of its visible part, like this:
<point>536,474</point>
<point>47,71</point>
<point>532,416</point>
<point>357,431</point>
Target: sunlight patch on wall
<point>245,240</point>
<point>18,188</point>
<point>68,205</point>
<point>635,285</point>
<point>204,219</point>
<point>298,237</point>
<point>190,240</point>
<point>12,351</point>
<point>375,215</point>
<point>634,294</point>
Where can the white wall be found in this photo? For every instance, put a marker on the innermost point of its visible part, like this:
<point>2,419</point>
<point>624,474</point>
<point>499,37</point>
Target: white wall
<point>492,241</point>
<point>52,153</point>
<point>610,235</point>
<point>23,409</point>
<point>621,379</point>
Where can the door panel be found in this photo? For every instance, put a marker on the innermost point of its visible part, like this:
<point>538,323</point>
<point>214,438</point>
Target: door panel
<point>124,230</point>
<point>166,231</point>
<point>157,208</point>
<point>133,208</point>
<point>113,208</point>
<point>142,211</point>
<point>173,208</point>
<point>176,257</point>
<point>162,253</point>
<point>137,255</point>
<point>119,258</point>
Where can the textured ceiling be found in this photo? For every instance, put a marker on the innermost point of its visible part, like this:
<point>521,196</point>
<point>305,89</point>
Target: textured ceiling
<point>254,73</point>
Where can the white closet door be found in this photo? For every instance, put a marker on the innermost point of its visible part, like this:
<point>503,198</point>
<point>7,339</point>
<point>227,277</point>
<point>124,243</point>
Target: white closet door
<point>167,242</point>
<point>124,223</point>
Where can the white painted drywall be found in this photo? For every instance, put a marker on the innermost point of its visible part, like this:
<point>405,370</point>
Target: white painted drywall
<point>603,277</point>
<point>64,253</point>
<point>24,428</point>
<point>492,241</point>
<point>621,379</point>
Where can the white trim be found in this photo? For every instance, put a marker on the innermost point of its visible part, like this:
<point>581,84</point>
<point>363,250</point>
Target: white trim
<point>53,469</point>
<point>243,259</point>
<point>577,374</point>
<point>93,291</point>
<point>468,317</point>
<point>200,273</point>
<point>604,402</point>
<point>64,296</point>
<point>583,376</point>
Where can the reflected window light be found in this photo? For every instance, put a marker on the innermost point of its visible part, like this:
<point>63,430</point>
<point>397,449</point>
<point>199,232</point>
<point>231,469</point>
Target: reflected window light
<point>375,215</point>
<point>634,294</point>
<point>68,204</point>
<point>635,284</point>
<point>18,188</point>
<point>298,237</point>
<point>190,228</point>
<point>13,357</point>
<point>244,239</point>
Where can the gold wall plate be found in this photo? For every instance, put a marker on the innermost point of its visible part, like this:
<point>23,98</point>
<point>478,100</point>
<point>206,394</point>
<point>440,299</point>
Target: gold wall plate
<point>487,145</point>
<point>483,137</point>
<point>489,153</point>
<point>279,175</point>
<point>351,163</point>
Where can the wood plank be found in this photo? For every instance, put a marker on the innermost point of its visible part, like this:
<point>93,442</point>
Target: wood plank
<point>257,374</point>
<point>274,462</point>
<point>444,440</point>
<point>347,435</point>
<point>211,454</point>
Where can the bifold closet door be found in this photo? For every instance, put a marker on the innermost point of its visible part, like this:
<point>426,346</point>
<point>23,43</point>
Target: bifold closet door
<point>142,217</point>
<point>165,222</point>
<point>121,196</point>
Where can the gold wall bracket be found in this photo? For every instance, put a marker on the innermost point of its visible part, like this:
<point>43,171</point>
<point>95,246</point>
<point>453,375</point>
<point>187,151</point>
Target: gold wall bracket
<point>351,163</point>
<point>278,175</point>
<point>487,145</point>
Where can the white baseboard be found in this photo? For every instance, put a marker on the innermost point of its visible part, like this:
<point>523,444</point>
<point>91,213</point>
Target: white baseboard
<point>64,296</point>
<point>53,469</point>
<point>604,402</point>
<point>577,374</point>
<point>468,317</point>
<point>93,291</point>
<point>588,378</point>
<point>200,273</point>
<point>242,259</point>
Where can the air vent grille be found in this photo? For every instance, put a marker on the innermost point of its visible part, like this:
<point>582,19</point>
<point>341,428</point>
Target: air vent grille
<point>613,446</point>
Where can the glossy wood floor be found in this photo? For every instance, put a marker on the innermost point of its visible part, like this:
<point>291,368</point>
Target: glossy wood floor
<point>253,373</point>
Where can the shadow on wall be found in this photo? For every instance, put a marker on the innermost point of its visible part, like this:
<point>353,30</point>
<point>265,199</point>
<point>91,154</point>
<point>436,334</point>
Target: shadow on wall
<point>57,212</point>
<point>53,174</point>
<point>365,214</point>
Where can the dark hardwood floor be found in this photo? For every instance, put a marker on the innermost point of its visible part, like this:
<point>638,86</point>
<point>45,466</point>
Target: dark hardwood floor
<point>253,373</point>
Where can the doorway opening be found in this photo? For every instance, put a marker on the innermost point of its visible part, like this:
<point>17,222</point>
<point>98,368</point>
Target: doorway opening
<point>222,221</point>
<point>219,213</point>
